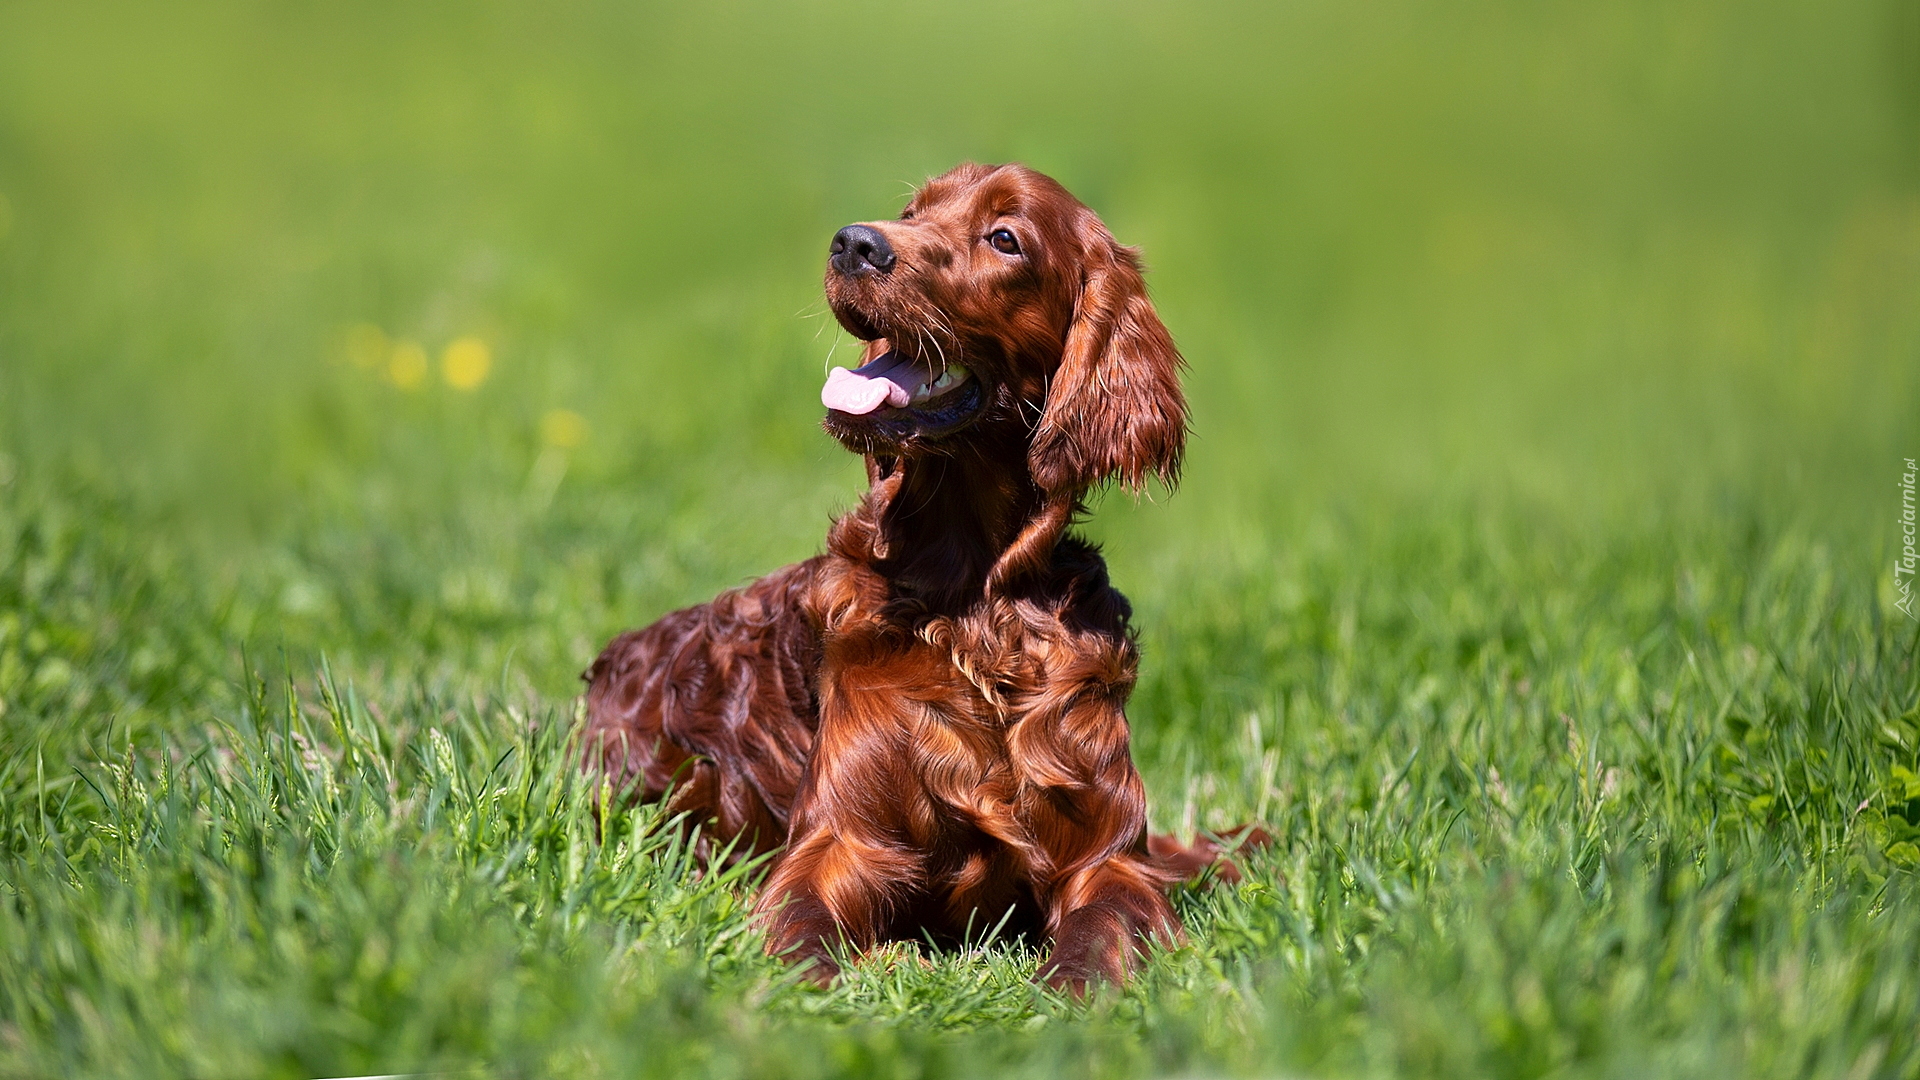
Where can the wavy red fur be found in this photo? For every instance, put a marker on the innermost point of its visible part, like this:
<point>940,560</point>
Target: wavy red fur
<point>926,723</point>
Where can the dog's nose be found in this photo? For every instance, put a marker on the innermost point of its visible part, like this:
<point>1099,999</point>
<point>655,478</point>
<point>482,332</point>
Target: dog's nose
<point>857,248</point>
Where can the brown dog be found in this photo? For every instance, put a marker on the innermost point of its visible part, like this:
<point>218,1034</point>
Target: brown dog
<point>928,717</point>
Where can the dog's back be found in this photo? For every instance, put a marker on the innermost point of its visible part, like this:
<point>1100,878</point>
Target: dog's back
<point>716,703</point>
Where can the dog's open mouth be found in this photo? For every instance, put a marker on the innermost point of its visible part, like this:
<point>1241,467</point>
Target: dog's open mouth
<point>893,381</point>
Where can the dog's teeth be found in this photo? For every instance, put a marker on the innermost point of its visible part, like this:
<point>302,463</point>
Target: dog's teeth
<point>948,379</point>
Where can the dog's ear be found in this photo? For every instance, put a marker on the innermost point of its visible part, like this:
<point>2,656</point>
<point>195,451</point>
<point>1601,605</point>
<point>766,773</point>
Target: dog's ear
<point>1114,408</point>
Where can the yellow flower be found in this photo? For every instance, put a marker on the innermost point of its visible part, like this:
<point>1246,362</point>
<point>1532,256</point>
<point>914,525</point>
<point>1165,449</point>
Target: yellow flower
<point>465,363</point>
<point>407,366</point>
<point>367,346</point>
<point>563,429</point>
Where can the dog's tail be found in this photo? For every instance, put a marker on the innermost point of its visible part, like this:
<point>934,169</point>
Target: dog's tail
<point>1187,862</point>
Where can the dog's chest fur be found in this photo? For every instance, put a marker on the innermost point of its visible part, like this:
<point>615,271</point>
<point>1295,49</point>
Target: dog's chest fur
<point>980,706</point>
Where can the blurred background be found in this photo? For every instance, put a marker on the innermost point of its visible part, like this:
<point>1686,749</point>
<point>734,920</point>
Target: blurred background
<point>1552,368</point>
<point>469,333</point>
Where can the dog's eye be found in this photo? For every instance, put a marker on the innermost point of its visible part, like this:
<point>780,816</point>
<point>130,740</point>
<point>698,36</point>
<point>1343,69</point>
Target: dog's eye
<point>1003,242</point>
<point>907,214</point>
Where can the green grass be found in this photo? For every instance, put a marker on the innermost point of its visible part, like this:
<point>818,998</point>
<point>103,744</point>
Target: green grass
<point>1552,366</point>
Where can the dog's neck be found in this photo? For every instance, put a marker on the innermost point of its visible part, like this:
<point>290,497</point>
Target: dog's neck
<point>945,530</point>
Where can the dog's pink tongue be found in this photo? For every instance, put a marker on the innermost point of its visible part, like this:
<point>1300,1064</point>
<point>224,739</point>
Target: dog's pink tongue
<point>860,392</point>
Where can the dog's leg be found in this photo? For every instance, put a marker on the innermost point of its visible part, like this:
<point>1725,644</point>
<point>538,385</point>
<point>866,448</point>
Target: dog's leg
<point>1105,896</point>
<point>1104,908</point>
<point>1102,917</point>
<point>832,888</point>
<point>851,866</point>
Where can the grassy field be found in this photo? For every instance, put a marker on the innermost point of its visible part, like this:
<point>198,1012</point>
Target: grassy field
<point>363,367</point>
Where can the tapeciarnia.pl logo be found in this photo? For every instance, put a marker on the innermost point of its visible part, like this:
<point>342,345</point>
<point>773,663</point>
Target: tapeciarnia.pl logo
<point>1903,565</point>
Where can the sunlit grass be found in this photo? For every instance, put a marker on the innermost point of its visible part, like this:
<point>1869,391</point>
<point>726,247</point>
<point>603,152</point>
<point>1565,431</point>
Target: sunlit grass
<point>363,369</point>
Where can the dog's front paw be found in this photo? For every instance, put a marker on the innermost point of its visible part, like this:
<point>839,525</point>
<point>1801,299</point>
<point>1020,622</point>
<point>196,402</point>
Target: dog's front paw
<point>1067,979</point>
<point>1092,945</point>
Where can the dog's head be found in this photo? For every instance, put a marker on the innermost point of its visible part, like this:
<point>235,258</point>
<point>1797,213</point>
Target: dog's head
<point>998,299</point>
